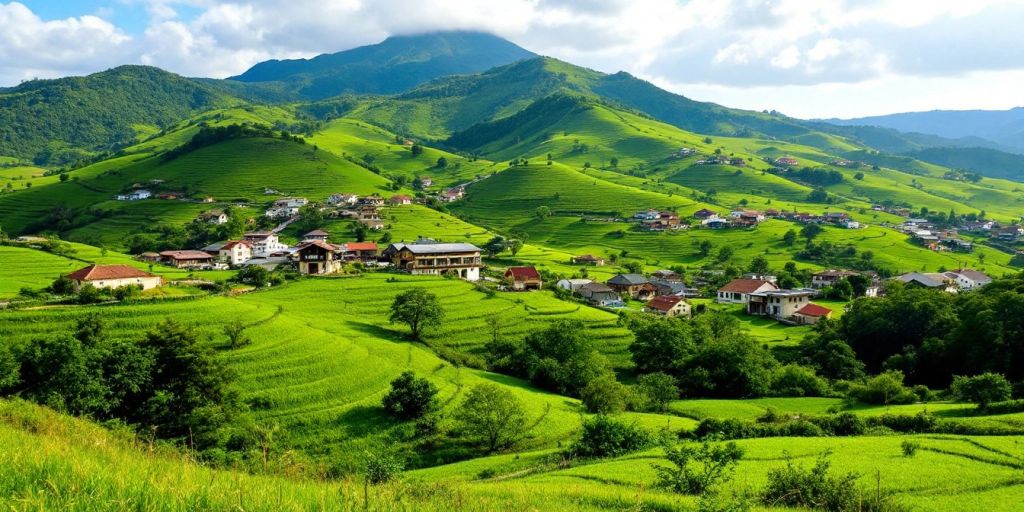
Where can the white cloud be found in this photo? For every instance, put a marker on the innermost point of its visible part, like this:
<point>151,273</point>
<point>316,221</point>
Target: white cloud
<point>794,53</point>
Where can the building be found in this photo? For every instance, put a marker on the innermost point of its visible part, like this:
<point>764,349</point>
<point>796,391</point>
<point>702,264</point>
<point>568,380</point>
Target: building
<point>317,257</point>
<point>286,207</point>
<point>316,234</point>
<point>661,222</point>
<point>573,285</point>
<point>426,182</point>
<point>459,259</point>
<point>830,277</point>
<point>704,213</point>
<point>599,294</point>
<point>738,291</point>
<point>588,259</point>
<point>787,161</point>
<point>811,313</point>
<point>778,304</point>
<point>669,306</point>
<point>264,243</point>
<point>666,275</point>
<point>399,200</point>
<point>135,195</point>
<point>935,280</point>
<point>633,285</point>
<point>523,278</point>
<point>664,287</point>
<point>214,217</point>
<point>452,194</point>
<point>150,256</point>
<point>747,216</point>
<point>374,200</point>
<point>235,252</point>
<point>342,199</point>
<point>187,259</point>
<point>967,279</point>
<point>113,276</point>
<point>361,251</point>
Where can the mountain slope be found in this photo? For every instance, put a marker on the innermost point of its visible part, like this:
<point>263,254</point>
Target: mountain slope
<point>1005,127</point>
<point>55,122</point>
<point>394,65</point>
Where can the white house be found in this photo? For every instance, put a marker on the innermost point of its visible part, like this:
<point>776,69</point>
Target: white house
<point>135,195</point>
<point>738,291</point>
<point>573,285</point>
<point>264,243</point>
<point>236,252</point>
<point>286,207</point>
<point>214,217</point>
<point>113,276</point>
<point>343,199</point>
<point>967,279</point>
<point>647,215</point>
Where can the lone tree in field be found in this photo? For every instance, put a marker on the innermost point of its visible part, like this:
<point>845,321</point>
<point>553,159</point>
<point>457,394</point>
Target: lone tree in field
<point>542,212</point>
<point>416,308</point>
<point>492,417</point>
<point>981,389</point>
<point>410,397</point>
<point>235,331</point>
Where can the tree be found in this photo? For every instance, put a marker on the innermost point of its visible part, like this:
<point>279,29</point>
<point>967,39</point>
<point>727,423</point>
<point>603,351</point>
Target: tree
<point>880,389</point>
<point>810,231</point>
<point>697,469</point>
<point>253,275</point>
<point>235,331</point>
<point>724,254</point>
<point>416,150</point>
<point>494,246</point>
<point>88,294</point>
<point>562,357</point>
<point>360,232</point>
<point>830,356</point>
<point>658,389</point>
<point>381,468</point>
<point>442,162</point>
<point>514,245</point>
<point>704,248</point>
<point>859,176</point>
<point>410,397</point>
<point>614,162</point>
<point>981,389</point>
<point>491,417</point>
<point>604,395</point>
<point>417,308</point>
<point>796,380</point>
<point>542,212</point>
<point>731,366</point>
<point>759,265</point>
<point>603,436</point>
<point>495,325</point>
<point>660,345</point>
<point>789,238</point>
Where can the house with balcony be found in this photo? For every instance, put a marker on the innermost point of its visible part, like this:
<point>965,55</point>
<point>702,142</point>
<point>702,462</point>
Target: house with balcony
<point>459,259</point>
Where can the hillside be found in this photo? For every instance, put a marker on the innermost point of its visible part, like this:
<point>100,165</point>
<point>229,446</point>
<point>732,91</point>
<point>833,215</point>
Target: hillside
<point>392,66</point>
<point>57,122</point>
<point>984,161</point>
<point>1003,127</point>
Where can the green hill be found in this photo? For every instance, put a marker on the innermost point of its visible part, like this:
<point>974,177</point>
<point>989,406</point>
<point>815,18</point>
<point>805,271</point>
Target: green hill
<point>56,122</point>
<point>392,66</point>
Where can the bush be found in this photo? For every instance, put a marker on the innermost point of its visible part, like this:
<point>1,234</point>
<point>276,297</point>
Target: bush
<point>918,423</point>
<point>696,469</point>
<point>381,468</point>
<point>604,395</point>
<point>815,488</point>
<point>658,389</point>
<point>410,397</point>
<point>796,380</point>
<point>909,448</point>
<point>883,389</point>
<point>982,389</point>
<point>603,436</point>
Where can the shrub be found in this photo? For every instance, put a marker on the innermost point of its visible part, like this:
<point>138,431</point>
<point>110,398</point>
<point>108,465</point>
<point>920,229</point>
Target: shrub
<point>815,488</point>
<point>492,417</point>
<point>696,469</point>
<point>381,468</point>
<point>658,389</point>
<point>981,389</point>
<point>603,436</point>
<point>883,389</point>
<point>909,448</point>
<point>796,380</point>
<point>918,423</point>
<point>410,397</point>
<point>604,395</point>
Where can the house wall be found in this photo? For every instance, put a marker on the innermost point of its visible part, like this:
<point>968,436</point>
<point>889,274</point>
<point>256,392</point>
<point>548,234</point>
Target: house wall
<point>145,282</point>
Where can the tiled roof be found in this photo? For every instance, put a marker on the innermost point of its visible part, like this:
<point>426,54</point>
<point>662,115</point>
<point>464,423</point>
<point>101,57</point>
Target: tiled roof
<point>520,273</point>
<point>186,255</point>
<point>100,272</point>
<point>664,302</point>
<point>628,279</point>
<point>745,285</point>
<point>812,309</point>
<point>361,246</point>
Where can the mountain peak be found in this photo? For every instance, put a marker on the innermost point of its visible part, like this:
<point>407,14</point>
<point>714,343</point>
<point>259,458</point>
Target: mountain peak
<point>396,64</point>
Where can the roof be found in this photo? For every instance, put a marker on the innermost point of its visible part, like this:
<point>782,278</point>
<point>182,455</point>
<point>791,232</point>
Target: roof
<point>812,309</point>
<point>835,273</point>
<point>186,255</point>
<point>664,302</point>
<point>596,288</point>
<point>233,243</point>
<point>521,273</point>
<point>929,280</point>
<point>628,279</point>
<point>440,248</point>
<point>318,243</point>
<point>745,285</point>
<point>257,234</point>
<point>361,246</point>
<point>974,275</point>
<point>576,282</point>
<point>587,257</point>
<point>100,272</point>
<point>214,247</point>
<point>317,232</point>
<point>401,198</point>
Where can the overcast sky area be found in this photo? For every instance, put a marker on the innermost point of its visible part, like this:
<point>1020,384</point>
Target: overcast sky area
<point>820,58</point>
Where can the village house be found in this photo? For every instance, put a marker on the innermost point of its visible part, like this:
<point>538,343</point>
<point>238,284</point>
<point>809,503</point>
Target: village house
<point>135,195</point>
<point>286,207</point>
<point>399,200</point>
<point>967,279</point>
<point>372,224</point>
<point>458,259</point>
<point>716,223</point>
<point>374,201</point>
<point>208,199</point>
<point>830,277</point>
<point>811,313</point>
<point>150,256</point>
<point>670,306</point>
<point>747,216</point>
<point>316,234</point>
<point>666,275</point>
<point>452,194</point>
<point>317,257</point>
<point>777,304</point>
<point>935,280</point>
<point>361,251</point>
<point>235,252</point>
<point>523,278</point>
<point>573,285</point>
<point>599,294</point>
<point>787,161</point>
<point>426,182</point>
<point>113,276</point>
<point>167,196</point>
<point>187,259</point>
<point>633,285</point>
<point>738,291</point>
<point>661,222</point>
<point>646,215</point>
<point>264,243</point>
<point>342,199</point>
<point>704,213</point>
<point>214,217</point>
<point>588,259</point>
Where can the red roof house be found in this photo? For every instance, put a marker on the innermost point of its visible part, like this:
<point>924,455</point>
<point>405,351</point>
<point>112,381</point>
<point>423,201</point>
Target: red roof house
<point>524,278</point>
<point>811,313</point>
<point>113,276</point>
<point>668,305</point>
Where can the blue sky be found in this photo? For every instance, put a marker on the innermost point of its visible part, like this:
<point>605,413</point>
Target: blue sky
<point>826,58</point>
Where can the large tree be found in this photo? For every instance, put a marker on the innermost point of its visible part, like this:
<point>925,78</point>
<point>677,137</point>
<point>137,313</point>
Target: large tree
<point>492,417</point>
<point>417,308</point>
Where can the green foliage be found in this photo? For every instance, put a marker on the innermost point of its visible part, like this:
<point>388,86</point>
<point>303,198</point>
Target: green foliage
<point>562,357</point>
<point>235,331</point>
<point>604,436</point>
<point>491,417</point>
<point>410,397</point>
<point>658,389</point>
<point>604,395</point>
<point>884,388</point>
<point>816,488</point>
<point>697,468</point>
<point>381,468</point>
<point>909,448</point>
<point>981,389</point>
<point>796,380</point>
<point>417,308</point>
<point>254,275</point>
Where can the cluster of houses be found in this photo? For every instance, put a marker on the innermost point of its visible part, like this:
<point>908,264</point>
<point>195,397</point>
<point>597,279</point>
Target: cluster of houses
<point>722,160</point>
<point>761,296</point>
<point>611,293</point>
<point>953,281</point>
<point>926,234</point>
<point>654,220</point>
